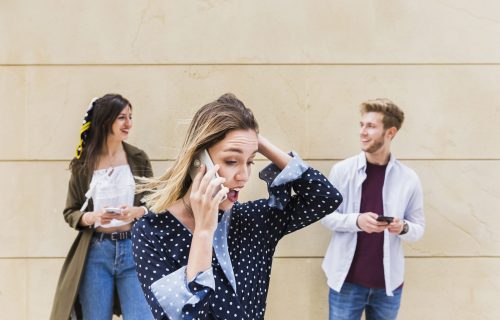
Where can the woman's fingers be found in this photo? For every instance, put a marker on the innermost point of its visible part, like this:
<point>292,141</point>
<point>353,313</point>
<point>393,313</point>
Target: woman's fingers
<point>206,193</point>
<point>219,196</point>
<point>198,177</point>
<point>207,178</point>
<point>213,187</point>
<point>208,185</point>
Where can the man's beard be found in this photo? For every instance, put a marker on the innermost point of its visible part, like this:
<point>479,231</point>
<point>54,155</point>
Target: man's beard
<point>377,144</point>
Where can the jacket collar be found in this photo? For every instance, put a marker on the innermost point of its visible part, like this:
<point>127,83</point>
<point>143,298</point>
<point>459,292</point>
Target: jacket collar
<point>362,161</point>
<point>130,150</point>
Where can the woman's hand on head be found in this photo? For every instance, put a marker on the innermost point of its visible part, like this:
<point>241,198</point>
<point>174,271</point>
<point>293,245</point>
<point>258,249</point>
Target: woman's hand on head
<point>262,143</point>
<point>206,195</point>
<point>273,153</point>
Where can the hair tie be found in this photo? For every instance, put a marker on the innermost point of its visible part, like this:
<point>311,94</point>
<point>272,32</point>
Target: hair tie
<point>87,119</point>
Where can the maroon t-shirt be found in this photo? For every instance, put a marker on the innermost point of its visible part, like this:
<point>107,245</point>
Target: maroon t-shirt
<point>367,268</point>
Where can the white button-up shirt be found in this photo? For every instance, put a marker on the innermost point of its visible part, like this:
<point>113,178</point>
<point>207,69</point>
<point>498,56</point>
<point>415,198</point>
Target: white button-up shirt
<point>402,198</point>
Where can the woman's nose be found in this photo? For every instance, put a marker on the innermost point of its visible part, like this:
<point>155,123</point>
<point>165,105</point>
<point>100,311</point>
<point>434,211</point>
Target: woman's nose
<point>242,174</point>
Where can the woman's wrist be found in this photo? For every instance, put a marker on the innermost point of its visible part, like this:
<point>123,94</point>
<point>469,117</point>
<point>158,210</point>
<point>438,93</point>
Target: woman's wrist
<point>203,234</point>
<point>273,153</point>
<point>142,212</point>
<point>88,219</point>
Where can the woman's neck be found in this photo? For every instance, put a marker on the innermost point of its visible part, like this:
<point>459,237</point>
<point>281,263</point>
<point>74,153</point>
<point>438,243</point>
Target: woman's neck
<point>112,156</point>
<point>182,211</point>
<point>112,147</point>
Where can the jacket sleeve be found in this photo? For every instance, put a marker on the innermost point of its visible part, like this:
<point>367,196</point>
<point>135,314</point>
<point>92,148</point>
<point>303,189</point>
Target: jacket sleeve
<point>165,285</point>
<point>312,198</point>
<point>414,214</point>
<point>74,201</point>
<point>144,170</point>
<point>147,168</point>
<point>339,220</point>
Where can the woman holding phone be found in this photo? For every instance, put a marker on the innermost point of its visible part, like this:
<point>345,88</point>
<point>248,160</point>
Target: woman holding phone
<point>98,277</point>
<point>201,254</point>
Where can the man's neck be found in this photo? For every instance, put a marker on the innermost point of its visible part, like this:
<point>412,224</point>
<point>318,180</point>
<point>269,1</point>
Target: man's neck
<point>380,157</point>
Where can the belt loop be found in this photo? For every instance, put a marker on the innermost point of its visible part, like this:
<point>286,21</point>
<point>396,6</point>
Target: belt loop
<point>101,237</point>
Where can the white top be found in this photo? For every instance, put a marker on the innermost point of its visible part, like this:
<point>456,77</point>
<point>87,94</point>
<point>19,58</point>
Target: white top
<point>402,198</point>
<point>112,187</point>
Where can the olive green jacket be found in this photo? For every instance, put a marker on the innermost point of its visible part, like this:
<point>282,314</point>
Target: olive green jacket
<point>67,288</point>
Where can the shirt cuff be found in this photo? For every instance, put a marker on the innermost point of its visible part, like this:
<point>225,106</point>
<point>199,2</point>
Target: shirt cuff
<point>173,291</point>
<point>277,180</point>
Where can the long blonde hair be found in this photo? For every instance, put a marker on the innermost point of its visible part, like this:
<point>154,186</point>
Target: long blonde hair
<point>209,125</point>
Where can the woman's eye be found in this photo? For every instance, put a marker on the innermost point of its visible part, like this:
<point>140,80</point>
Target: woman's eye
<point>230,162</point>
<point>250,163</point>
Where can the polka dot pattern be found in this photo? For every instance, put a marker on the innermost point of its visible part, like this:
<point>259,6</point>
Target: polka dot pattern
<point>244,243</point>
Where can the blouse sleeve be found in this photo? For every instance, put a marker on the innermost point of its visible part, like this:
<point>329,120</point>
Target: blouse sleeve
<point>312,198</point>
<point>165,284</point>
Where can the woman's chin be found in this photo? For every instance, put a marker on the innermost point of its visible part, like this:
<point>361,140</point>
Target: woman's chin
<point>226,205</point>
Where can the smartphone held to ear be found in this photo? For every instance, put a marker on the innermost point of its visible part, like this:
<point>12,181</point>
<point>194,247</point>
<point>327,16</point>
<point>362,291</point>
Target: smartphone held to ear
<point>204,158</point>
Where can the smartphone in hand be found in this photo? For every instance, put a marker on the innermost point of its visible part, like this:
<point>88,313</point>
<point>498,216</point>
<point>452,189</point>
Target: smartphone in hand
<point>113,210</point>
<point>204,158</point>
<point>385,219</point>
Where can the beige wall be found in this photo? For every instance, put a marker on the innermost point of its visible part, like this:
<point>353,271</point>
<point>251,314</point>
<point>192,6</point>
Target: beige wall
<point>303,67</point>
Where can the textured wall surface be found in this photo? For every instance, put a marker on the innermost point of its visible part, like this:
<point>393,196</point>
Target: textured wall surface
<point>303,67</point>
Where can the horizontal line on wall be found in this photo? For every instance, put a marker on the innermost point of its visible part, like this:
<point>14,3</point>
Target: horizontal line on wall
<point>260,160</point>
<point>289,257</point>
<point>30,258</point>
<point>254,64</point>
<point>409,257</point>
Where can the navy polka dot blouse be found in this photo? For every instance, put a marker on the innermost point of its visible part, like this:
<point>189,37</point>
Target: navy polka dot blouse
<point>236,285</point>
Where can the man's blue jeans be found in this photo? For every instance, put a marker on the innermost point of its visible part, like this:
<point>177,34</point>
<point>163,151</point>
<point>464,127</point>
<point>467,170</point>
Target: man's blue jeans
<point>110,263</point>
<point>353,299</point>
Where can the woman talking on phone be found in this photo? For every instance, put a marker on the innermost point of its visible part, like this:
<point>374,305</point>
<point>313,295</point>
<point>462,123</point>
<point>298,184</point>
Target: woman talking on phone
<point>98,277</point>
<point>201,254</point>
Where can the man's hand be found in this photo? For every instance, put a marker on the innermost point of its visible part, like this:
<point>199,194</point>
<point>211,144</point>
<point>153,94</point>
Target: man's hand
<point>396,226</point>
<point>368,223</point>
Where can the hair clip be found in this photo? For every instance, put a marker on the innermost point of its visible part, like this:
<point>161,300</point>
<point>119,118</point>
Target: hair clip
<point>85,127</point>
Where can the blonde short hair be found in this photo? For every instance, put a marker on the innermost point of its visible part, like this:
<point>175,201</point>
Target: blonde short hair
<point>393,115</point>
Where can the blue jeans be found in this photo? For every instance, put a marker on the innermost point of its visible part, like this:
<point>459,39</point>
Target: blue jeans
<point>353,299</point>
<point>110,264</point>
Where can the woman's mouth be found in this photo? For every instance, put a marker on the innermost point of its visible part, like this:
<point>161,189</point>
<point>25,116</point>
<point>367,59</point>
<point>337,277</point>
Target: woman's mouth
<point>232,195</point>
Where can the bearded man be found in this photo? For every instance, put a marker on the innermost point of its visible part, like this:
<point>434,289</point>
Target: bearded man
<point>383,206</point>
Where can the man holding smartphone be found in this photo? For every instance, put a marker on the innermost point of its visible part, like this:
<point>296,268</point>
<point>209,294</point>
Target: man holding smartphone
<point>383,205</point>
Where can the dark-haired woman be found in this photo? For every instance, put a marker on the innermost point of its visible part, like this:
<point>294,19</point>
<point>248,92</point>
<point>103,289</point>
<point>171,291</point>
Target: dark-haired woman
<point>200,253</point>
<point>98,277</point>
